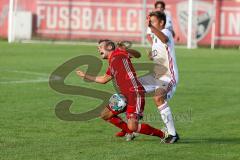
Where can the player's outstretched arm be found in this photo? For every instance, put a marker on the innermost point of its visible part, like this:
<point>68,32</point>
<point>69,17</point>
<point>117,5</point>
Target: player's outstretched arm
<point>157,32</point>
<point>98,79</point>
<point>133,53</point>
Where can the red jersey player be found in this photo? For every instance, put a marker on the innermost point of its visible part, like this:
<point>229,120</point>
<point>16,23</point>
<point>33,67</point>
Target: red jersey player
<point>121,70</point>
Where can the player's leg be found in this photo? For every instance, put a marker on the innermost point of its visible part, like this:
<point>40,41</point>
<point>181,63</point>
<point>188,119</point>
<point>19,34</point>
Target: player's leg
<point>164,110</point>
<point>149,84</point>
<point>166,114</point>
<point>120,133</point>
<point>134,111</point>
<point>111,117</point>
<point>143,128</point>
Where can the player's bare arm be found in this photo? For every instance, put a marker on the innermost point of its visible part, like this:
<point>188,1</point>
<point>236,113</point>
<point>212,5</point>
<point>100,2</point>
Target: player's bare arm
<point>98,79</point>
<point>125,45</point>
<point>156,24</point>
<point>133,53</point>
<point>159,34</point>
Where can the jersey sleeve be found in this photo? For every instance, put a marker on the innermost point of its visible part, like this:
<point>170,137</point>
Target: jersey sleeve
<point>108,72</point>
<point>167,33</point>
<point>169,24</point>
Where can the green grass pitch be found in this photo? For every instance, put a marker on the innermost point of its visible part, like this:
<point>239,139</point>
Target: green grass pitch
<point>206,108</point>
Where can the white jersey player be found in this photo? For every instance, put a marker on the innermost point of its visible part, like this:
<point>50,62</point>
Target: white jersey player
<point>164,78</point>
<point>160,6</point>
<point>163,56</point>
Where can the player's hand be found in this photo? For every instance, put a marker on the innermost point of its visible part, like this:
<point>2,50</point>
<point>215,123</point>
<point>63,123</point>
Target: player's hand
<point>149,53</point>
<point>80,73</point>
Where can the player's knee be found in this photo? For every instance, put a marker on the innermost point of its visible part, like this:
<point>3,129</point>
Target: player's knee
<point>104,116</point>
<point>155,98</point>
<point>133,124</point>
<point>159,100</point>
<point>133,127</point>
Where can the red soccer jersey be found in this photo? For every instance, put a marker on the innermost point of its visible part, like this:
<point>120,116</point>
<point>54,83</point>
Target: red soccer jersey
<point>121,69</point>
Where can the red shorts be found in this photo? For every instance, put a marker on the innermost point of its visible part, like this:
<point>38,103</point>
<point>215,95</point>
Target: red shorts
<point>135,105</point>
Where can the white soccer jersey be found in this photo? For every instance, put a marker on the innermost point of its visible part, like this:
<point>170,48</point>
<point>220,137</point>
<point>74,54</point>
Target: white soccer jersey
<point>164,56</point>
<point>165,71</point>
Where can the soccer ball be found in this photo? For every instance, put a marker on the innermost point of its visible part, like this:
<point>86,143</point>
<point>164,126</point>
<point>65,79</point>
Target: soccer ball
<point>117,102</point>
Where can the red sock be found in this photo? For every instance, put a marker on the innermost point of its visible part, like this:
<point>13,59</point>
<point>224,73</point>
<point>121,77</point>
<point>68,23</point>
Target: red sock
<point>148,130</point>
<point>118,122</point>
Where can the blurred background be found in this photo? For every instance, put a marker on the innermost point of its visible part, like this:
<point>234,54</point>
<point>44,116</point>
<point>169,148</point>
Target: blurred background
<point>38,36</point>
<point>195,22</point>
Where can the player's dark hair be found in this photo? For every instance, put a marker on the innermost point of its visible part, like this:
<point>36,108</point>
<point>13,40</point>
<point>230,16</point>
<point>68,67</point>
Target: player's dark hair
<point>103,40</point>
<point>159,2</point>
<point>109,46</point>
<point>160,16</point>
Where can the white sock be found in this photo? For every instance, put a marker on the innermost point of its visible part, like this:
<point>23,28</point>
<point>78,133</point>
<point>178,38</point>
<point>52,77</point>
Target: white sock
<point>167,118</point>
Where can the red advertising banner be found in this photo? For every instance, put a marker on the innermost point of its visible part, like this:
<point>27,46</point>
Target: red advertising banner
<point>89,20</point>
<point>123,19</point>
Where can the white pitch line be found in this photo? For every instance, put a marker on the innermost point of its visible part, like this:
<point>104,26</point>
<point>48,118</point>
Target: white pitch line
<point>42,77</point>
<point>28,72</point>
<point>25,81</point>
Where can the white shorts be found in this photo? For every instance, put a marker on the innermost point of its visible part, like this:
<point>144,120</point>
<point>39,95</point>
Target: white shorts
<point>150,84</point>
